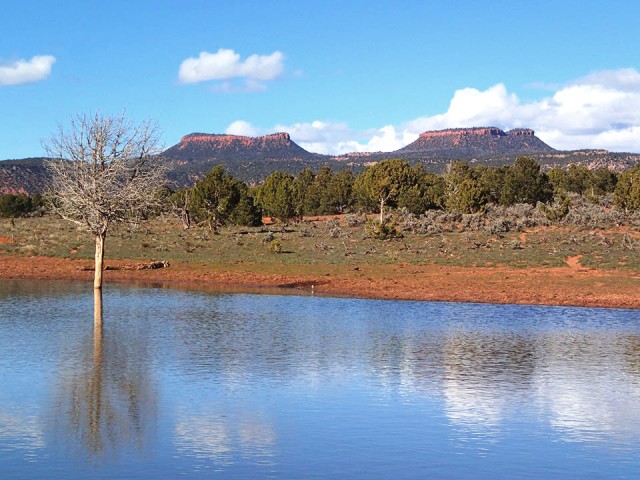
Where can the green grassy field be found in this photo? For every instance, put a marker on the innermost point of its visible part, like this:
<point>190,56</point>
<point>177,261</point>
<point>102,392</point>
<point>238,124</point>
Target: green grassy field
<point>330,242</point>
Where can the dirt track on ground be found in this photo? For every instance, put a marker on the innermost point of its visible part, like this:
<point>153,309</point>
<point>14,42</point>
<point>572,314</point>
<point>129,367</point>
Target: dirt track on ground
<point>570,285</point>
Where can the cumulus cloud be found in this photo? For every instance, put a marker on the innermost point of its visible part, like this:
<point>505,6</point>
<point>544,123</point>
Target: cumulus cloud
<point>600,110</point>
<point>226,65</point>
<point>26,71</point>
<point>331,138</point>
<point>622,79</point>
<point>319,136</point>
<point>240,127</point>
<point>385,139</point>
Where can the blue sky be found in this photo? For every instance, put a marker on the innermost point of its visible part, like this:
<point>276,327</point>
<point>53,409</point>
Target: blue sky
<point>337,75</point>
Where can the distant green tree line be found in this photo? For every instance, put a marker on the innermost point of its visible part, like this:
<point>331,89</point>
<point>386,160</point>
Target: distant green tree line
<point>20,205</point>
<point>220,199</point>
<point>215,200</point>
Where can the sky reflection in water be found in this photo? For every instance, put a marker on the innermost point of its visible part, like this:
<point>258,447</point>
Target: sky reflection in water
<point>187,383</point>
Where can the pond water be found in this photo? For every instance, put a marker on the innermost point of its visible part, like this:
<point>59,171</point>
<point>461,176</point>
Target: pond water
<point>204,385</point>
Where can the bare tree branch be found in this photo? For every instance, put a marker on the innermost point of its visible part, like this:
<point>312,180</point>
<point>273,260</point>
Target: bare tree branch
<point>105,170</point>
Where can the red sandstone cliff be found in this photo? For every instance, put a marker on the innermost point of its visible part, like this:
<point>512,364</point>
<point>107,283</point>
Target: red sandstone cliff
<point>466,143</point>
<point>250,158</point>
<point>236,142</point>
<point>204,146</point>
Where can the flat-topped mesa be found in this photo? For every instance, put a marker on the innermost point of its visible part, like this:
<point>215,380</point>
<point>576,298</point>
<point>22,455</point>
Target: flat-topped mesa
<point>455,132</point>
<point>202,150</point>
<point>235,141</point>
<point>521,132</point>
<point>475,142</point>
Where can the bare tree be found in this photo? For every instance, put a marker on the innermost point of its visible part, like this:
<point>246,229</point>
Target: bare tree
<point>104,171</point>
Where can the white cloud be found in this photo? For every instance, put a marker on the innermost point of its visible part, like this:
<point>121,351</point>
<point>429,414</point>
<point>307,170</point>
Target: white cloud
<point>240,127</point>
<point>621,79</point>
<point>600,110</point>
<point>226,65</point>
<point>331,138</point>
<point>26,71</point>
<point>319,136</point>
<point>385,139</point>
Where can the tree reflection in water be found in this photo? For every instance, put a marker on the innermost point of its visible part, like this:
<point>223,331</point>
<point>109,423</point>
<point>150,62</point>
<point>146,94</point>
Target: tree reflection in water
<point>105,400</point>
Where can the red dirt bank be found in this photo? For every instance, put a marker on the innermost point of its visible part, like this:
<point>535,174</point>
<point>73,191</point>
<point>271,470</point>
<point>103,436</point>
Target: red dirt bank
<point>570,285</point>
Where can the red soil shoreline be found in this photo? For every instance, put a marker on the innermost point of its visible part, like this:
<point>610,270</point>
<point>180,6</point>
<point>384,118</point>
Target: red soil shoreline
<point>570,285</point>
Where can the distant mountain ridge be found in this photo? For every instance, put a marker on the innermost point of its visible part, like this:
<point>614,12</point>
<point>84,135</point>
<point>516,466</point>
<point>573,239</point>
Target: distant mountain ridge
<point>253,158</point>
<point>27,175</point>
<point>204,146</point>
<point>475,142</point>
<point>249,158</point>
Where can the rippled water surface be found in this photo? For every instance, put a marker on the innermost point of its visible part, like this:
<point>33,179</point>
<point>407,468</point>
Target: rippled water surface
<point>204,385</point>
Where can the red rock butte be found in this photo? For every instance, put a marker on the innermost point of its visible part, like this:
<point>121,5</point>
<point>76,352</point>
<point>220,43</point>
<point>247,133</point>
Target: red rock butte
<point>475,142</point>
<point>235,141</point>
<point>478,131</point>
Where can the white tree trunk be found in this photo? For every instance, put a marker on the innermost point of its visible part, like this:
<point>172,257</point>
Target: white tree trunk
<point>97,279</point>
<point>381,211</point>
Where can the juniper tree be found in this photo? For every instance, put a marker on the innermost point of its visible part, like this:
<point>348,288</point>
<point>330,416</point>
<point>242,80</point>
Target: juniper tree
<point>463,192</point>
<point>426,194</point>
<point>277,196</point>
<point>627,192</point>
<point>219,198</point>
<point>383,183</point>
<point>525,183</point>
<point>339,192</point>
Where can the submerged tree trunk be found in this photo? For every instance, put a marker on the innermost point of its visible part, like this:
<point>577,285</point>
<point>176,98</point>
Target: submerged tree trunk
<point>97,315</point>
<point>97,279</point>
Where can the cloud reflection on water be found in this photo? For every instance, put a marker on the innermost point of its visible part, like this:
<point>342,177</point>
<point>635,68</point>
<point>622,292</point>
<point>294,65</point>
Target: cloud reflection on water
<point>22,430</point>
<point>586,388</point>
<point>241,375</point>
<point>222,436</point>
